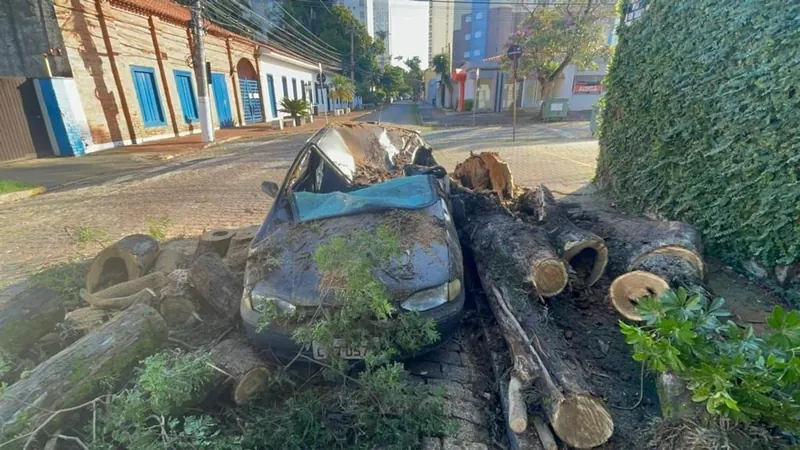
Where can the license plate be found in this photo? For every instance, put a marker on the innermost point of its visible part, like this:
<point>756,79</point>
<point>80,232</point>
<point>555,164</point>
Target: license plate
<point>321,352</point>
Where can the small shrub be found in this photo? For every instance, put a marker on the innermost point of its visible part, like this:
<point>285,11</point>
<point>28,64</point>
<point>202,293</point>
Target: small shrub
<point>468,104</point>
<point>157,226</point>
<point>66,279</point>
<point>732,371</point>
<point>86,234</point>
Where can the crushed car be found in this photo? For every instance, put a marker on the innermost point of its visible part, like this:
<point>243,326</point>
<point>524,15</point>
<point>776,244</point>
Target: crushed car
<point>347,177</point>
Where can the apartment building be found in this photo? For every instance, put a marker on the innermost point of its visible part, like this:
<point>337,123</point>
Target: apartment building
<point>363,10</point>
<point>440,29</point>
<point>383,26</point>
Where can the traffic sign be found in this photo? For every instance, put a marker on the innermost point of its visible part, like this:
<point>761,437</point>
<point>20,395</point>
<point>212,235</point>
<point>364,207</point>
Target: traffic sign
<point>514,52</point>
<point>321,78</point>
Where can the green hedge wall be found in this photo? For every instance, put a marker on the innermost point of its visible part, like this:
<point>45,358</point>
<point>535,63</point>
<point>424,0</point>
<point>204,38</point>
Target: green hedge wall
<point>702,122</point>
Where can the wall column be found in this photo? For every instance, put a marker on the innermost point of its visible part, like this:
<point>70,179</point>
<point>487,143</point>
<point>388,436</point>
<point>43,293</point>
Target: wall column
<point>103,8</point>
<point>153,21</point>
<point>235,82</point>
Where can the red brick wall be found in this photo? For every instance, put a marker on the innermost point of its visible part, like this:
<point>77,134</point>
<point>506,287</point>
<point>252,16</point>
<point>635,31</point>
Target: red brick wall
<point>132,44</point>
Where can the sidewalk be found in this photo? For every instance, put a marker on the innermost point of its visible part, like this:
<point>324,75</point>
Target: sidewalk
<point>104,166</point>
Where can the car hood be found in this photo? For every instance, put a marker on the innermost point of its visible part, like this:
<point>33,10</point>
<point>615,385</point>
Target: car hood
<point>282,264</point>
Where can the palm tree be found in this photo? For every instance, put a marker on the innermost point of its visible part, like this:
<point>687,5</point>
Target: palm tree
<point>342,89</point>
<point>296,108</point>
<point>441,65</point>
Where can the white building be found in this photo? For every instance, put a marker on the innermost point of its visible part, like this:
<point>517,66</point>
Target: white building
<point>383,25</point>
<point>440,29</point>
<point>363,10</point>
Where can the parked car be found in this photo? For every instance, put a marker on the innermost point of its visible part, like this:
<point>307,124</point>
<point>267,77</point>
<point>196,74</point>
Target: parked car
<point>346,178</point>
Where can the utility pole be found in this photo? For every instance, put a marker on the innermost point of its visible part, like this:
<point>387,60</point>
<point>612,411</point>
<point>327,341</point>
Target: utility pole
<point>352,56</point>
<point>204,103</point>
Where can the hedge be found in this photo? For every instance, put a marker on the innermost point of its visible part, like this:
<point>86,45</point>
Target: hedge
<point>702,123</point>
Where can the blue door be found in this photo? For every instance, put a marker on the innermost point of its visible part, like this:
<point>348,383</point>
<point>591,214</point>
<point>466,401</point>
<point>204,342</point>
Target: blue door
<point>251,101</point>
<point>272,103</point>
<point>183,80</point>
<point>221,100</point>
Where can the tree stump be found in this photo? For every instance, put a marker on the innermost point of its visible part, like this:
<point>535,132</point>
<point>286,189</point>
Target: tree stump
<point>27,316</point>
<point>216,284</point>
<point>486,172</point>
<point>239,249</point>
<point>79,373</point>
<point>128,259</point>
<point>214,241</point>
<point>583,250</point>
<point>244,369</point>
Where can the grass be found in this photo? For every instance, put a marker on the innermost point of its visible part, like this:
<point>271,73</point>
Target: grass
<point>8,186</point>
<point>86,234</point>
<point>66,279</point>
<point>157,227</point>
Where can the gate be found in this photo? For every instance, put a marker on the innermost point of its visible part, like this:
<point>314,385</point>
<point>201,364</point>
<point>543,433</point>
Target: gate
<point>251,101</point>
<point>23,133</point>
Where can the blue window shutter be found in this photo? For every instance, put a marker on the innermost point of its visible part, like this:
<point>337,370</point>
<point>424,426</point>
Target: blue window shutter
<point>144,82</point>
<point>183,81</point>
<point>294,88</point>
<point>285,87</point>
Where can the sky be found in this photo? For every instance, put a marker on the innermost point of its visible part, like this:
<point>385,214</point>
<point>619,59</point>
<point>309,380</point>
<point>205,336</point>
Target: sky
<point>409,36</point>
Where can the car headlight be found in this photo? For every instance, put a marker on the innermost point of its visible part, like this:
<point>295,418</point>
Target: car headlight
<point>431,298</point>
<point>259,300</point>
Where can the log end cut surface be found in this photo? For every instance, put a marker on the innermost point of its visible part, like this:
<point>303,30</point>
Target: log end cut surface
<point>588,257</point>
<point>251,383</point>
<point>582,422</point>
<point>628,287</point>
<point>550,277</point>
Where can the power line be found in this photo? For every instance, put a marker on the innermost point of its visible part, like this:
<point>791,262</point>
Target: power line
<point>303,26</point>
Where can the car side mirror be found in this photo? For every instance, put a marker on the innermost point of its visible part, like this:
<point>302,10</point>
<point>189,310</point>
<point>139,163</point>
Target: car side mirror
<point>270,188</point>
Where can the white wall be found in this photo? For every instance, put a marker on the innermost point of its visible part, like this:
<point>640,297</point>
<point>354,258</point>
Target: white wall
<point>278,69</point>
<point>578,102</point>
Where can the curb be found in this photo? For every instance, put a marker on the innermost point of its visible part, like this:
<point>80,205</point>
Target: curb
<point>19,195</point>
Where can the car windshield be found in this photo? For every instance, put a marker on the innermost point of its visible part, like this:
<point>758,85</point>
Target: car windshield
<point>412,192</point>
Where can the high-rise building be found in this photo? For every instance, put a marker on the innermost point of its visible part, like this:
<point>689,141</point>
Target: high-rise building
<point>383,27</point>
<point>481,30</point>
<point>363,11</point>
<point>440,29</point>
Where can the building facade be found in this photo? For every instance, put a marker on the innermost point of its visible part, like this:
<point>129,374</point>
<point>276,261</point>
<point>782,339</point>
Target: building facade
<point>440,29</point>
<point>363,10</point>
<point>383,27</point>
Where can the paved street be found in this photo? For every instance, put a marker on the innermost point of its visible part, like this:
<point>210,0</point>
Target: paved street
<point>400,113</point>
<point>220,188</point>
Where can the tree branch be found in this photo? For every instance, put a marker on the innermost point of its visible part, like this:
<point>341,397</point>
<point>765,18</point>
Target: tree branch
<point>560,68</point>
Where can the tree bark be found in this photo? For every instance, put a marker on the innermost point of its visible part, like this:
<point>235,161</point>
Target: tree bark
<point>646,256</point>
<point>154,281</point>
<point>583,250</point>
<point>243,367</point>
<point>27,316</point>
<point>80,372</point>
<point>168,260</point>
<point>541,358</point>
<point>146,296</point>
<point>85,320</point>
<point>522,249</point>
<point>216,284</point>
<point>130,258</point>
<point>214,241</point>
<point>236,258</point>
<point>177,302</point>
<point>486,172</point>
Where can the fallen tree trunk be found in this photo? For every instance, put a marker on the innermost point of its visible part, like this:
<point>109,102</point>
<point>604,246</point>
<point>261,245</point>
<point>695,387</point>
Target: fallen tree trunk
<point>27,316</point>
<point>214,241</point>
<point>243,368</point>
<point>168,260</point>
<point>524,249</point>
<point>486,172</point>
<point>128,259</point>
<point>540,356</point>
<point>85,320</point>
<point>177,303</point>
<point>646,257</point>
<point>216,284</point>
<point>583,250</point>
<point>79,373</point>
<point>236,258</point>
<point>154,281</point>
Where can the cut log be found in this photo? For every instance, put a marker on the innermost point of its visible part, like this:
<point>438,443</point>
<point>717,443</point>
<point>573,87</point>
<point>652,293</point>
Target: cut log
<point>128,259</point>
<point>583,250</point>
<point>80,372</point>
<point>522,248</point>
<point>177,302</point>
<point>541,358</point>
<point>85,320</point>
<point>154,281</point>
<point>216,284</point>
<point>242,367</point>
<point>168,260</point>
<point>146,296</point>
<point>517,409</point>
<point>27,316</point>
<point>486,172</point>
<point>214,241</point>
<point>239,249</point>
